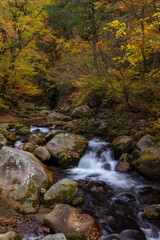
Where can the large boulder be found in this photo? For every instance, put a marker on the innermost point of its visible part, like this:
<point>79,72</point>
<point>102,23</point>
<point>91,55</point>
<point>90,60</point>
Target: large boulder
<point>58,117</point>
<point>42,153</point>
<point>61,192</point>
<point>23,131</point>
<point>145,142</point>
<point>3,141</point>
<point>152,212</point>
<point>122,144</point>
<point>67,148</point>
<point>66,219</point>
<point>148,165</point>
<point>21,177</point>
<point>82,111</point>
<point>9,236</point>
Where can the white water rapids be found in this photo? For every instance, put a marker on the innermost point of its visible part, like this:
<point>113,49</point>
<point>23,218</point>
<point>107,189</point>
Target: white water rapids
<point>98,164</point>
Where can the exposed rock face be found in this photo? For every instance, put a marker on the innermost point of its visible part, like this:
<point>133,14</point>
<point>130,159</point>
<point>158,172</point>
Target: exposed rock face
<point>148,165</point>
<point>122,144</point>
<point>3,141</point>
<point>67,219</point>
<point>67,148</point>
<point>58,236</point>
<point>145,142</point>
<point>61,192</point>
<point>21,177</point>
<point>42,153</point>
<point>123,164</point>
<point>80,112</point>
<point>152,212</point>
<point>58,117</point>
<point>9,236</point>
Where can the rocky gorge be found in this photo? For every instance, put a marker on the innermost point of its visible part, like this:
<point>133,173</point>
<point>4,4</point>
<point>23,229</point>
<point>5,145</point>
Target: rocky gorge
<point>27,184</point>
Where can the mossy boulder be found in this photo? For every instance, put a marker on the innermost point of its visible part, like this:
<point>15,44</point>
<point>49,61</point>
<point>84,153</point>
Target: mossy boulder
<point>148,165</point>
<point>29,147</point>
<point>123,144</point>
<point>11,138</point>
<point>36,139</point>
<point>23,131</point>
<point>152,212</point>
<point>69,220</point>
<point>42,153</point>
<point>21,177</point>
<point>51,134</point>
<point>61,192</point>
<point>67,148</point>
<point>9,236</point>
<point>58,117</point>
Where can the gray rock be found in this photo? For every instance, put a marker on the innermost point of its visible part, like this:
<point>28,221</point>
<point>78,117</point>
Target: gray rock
<point>67,148</point>
<point>3,141</point>
<point>58,236</point>
<point>42,153</point>
<point>21,177</point>
<point>9,236</point>
<point>58,117</point>
<point>61,192</point>
<point>80,112</point>
<point>51,134</point>
<point>145,142</point>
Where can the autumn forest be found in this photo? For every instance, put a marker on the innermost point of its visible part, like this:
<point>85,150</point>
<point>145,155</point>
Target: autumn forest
<point>84,49</point>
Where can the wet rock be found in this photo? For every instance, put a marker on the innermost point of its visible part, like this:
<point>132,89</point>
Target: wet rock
<point>21,177</point>
<point>29,147</point>
<point>135,154</point>
<point>122,144</point>
<point>42,153</point>
<point>80,112</point>
<point>123,164</point>
<point>51,134</point>
<point>36,139</point>
<point>152,212</point>
<point>145,142</point>
<point>61,192</point>
<point>58,117</point>
<point>131,234</point>
<point>58,236</point>
<point>67,148</point>
<point>3,141</point>
<point>148,165</point>
<point>23,131</point>
<point>153,150</point>
<point>67,219</point>
<point>9,236</point>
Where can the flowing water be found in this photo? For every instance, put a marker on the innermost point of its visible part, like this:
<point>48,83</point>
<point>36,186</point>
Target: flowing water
<point>120,197</point>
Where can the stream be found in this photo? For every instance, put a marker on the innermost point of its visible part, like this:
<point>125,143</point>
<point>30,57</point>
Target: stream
<point>115,199</point>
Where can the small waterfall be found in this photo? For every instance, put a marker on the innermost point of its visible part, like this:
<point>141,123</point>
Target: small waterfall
<point>98,164</point>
